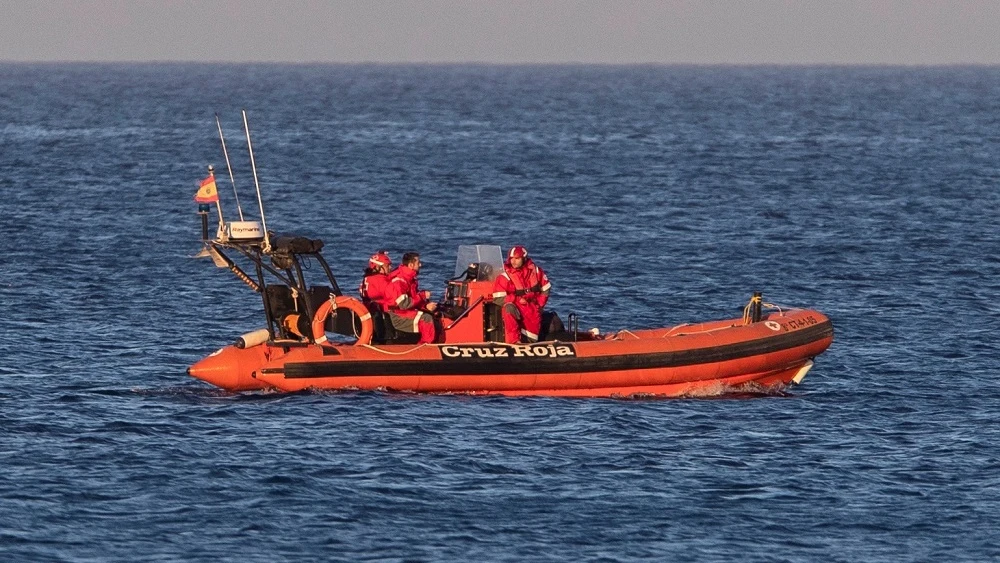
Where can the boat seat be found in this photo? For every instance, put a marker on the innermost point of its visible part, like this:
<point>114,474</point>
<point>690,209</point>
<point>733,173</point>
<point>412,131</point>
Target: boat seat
<point>384,333</point>
<point>393,336</point>
<point>379,324</point>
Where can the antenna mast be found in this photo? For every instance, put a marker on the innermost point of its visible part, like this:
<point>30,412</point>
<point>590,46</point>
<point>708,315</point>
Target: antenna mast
<point>260,203</point>
<point>218,204</point>
<point>228,167</point>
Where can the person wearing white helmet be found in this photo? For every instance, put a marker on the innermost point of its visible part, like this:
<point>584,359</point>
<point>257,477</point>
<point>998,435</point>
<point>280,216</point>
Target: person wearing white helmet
<point>522,290</point>
<point>375,285</point>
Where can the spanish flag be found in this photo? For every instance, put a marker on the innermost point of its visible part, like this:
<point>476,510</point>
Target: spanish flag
<point>207,193</point>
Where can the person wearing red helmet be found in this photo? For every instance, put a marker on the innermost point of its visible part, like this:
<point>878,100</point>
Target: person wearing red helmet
<point>375,285</point>
<point>409,308</point>
<point>522,290</point>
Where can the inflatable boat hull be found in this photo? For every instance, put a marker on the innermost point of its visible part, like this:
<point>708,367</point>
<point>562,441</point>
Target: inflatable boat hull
<point>706,358</point>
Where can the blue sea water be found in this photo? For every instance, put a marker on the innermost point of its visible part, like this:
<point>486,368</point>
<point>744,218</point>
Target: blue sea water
<point>651,195</point>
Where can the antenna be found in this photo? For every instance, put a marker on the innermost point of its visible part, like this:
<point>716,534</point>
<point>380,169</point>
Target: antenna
<point>260,203</point>
<point>228,167</point>
<point>218,204</point>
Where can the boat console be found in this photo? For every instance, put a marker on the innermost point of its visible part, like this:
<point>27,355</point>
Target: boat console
<point>468,312</point>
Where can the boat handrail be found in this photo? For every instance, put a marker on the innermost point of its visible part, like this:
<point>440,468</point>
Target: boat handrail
<point>465,312</point>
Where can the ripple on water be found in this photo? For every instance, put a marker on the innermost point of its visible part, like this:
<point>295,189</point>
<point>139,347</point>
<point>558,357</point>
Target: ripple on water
<point>652,196</point>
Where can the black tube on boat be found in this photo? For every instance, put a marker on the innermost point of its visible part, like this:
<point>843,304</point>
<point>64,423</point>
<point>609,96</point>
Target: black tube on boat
<point>203,211</point>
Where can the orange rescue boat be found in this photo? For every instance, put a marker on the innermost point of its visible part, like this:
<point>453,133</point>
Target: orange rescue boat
<point>315,337</point>
<point>319,338</point>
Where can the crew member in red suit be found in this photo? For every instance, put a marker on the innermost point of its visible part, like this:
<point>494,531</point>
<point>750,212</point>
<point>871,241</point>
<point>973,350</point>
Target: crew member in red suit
<point>409,308</point>
<point>375,285</point>
<point>522,289</point>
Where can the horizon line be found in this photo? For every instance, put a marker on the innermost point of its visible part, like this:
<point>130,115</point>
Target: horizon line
<point>502,63</point>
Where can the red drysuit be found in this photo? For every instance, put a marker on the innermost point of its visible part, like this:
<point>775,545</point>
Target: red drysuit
<point>522,292</point>
<point>405,303</point>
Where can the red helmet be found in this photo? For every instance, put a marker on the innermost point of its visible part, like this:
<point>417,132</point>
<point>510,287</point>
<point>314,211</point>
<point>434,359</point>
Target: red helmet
<point>379,259</point>
<point>518,252</point>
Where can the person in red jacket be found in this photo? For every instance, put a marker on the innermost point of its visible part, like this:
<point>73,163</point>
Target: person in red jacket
<point>375,285</point>
<point>409,308</point>
<point>522,289</point>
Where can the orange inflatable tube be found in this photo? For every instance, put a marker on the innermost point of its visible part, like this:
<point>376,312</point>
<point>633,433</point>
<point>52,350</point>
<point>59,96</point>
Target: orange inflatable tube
<point>682,360</point>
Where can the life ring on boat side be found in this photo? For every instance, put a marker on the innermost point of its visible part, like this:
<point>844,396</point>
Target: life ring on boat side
<point>356,308</point>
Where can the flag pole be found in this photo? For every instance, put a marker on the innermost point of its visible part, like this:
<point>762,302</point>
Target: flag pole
<point>228,167</point>
<point>260,203</point>
<point>218,204</point>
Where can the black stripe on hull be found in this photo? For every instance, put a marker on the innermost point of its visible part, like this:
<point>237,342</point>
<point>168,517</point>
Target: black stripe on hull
<point>542,366</point>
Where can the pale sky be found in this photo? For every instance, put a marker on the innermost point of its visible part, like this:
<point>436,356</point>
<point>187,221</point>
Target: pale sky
<point>915,32</point>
